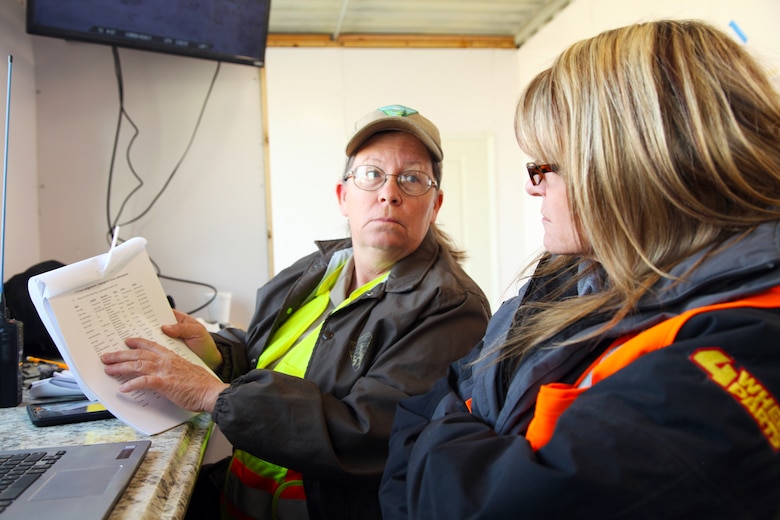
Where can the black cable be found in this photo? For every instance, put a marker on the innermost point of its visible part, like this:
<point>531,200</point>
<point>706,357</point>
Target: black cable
<point>124,115</point>
<point>183,156</point>
<point>191,282</point>
<point>181,280</point>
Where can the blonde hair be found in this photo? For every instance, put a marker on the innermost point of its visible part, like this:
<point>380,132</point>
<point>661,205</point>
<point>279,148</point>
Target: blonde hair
<point>666,134</point>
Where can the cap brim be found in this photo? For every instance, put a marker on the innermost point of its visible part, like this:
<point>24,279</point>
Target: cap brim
<point>393,123</point>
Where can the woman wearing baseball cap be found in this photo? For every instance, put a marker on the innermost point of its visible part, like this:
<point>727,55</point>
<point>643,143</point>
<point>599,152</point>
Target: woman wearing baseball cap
<point>309,390</point>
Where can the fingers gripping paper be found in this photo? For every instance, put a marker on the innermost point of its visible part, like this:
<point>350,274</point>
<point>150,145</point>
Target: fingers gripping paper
<point>91,307</point>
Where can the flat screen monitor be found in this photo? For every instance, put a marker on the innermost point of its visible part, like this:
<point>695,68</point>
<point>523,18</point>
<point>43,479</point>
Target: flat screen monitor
<point>225,30</point>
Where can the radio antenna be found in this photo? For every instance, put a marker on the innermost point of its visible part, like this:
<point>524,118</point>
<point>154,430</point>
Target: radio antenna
<point>5,185</point>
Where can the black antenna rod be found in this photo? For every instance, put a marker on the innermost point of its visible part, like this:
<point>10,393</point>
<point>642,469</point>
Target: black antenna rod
<point>5,181</point>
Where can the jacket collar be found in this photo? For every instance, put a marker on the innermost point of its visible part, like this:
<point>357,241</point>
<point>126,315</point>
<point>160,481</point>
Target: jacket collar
<point>407,273</point>
<point>752,259</point>
<point>742,266</point>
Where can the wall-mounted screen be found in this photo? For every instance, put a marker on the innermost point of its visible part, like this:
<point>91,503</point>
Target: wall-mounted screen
<point>225,30</point>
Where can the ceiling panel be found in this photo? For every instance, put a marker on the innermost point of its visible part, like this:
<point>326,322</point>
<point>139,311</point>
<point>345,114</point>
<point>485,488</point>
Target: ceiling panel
<point>338,22</point>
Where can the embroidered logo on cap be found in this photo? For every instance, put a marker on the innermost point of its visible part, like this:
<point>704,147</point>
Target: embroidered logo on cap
<point>397,110</point>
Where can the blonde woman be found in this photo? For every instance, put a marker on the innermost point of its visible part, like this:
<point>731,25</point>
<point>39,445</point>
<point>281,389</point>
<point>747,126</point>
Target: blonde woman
<point>637,373</point>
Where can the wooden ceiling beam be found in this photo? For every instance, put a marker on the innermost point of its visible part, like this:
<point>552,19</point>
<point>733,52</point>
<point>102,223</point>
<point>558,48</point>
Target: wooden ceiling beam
<point>391,41</point>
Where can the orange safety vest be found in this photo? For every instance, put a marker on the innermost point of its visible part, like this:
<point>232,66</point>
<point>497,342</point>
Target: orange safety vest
<point>553,399</point>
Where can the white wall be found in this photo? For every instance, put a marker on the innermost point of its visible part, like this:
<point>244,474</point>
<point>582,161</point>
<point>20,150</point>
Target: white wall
<point>210,224</point>
<point>757,19</point>
<point>21,242</point>
<point>316,94</point>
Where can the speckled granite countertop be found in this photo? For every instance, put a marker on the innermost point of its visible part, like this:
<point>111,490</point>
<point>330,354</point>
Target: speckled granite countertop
<point>162,486</point>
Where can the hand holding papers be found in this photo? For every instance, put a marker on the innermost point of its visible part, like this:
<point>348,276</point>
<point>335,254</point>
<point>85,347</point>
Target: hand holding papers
<point>91,307</point>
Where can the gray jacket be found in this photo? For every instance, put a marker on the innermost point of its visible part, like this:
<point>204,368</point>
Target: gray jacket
<point>392,342</point>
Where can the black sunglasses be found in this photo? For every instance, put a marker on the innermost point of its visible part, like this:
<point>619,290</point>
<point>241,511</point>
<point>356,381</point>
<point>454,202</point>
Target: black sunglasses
<point>537,171</point>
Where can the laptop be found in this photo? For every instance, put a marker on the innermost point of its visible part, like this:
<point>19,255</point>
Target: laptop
<point>69,482</point>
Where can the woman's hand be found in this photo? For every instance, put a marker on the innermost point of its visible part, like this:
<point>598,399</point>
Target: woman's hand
<point>197,338</point>
<point>154,367</point>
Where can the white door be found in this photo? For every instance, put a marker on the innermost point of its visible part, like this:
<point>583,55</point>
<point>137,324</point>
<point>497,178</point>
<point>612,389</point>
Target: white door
<point>468,210</point>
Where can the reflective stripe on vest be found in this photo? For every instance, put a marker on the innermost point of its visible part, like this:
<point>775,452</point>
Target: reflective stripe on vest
<point>265,489</point>
<point>553,399</point>
<point>255,488</point>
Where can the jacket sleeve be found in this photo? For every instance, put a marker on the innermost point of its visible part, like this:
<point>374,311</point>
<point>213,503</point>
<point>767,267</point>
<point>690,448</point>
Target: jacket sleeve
<point>660,438</point>
<point>447,398</point>
<point>411,418</point>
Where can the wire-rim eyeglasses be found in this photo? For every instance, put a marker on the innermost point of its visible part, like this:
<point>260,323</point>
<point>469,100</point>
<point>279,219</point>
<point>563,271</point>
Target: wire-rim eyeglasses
<point>370,178</point>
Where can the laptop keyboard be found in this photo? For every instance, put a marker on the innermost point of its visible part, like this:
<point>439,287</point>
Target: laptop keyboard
<point>20,470</point>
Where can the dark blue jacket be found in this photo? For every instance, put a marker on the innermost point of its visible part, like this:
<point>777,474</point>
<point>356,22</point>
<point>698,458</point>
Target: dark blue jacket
<point>658,439</point>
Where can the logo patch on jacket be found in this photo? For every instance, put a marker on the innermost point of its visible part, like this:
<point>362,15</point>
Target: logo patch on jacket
<point>745,389</point>
<point>357,351</point>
